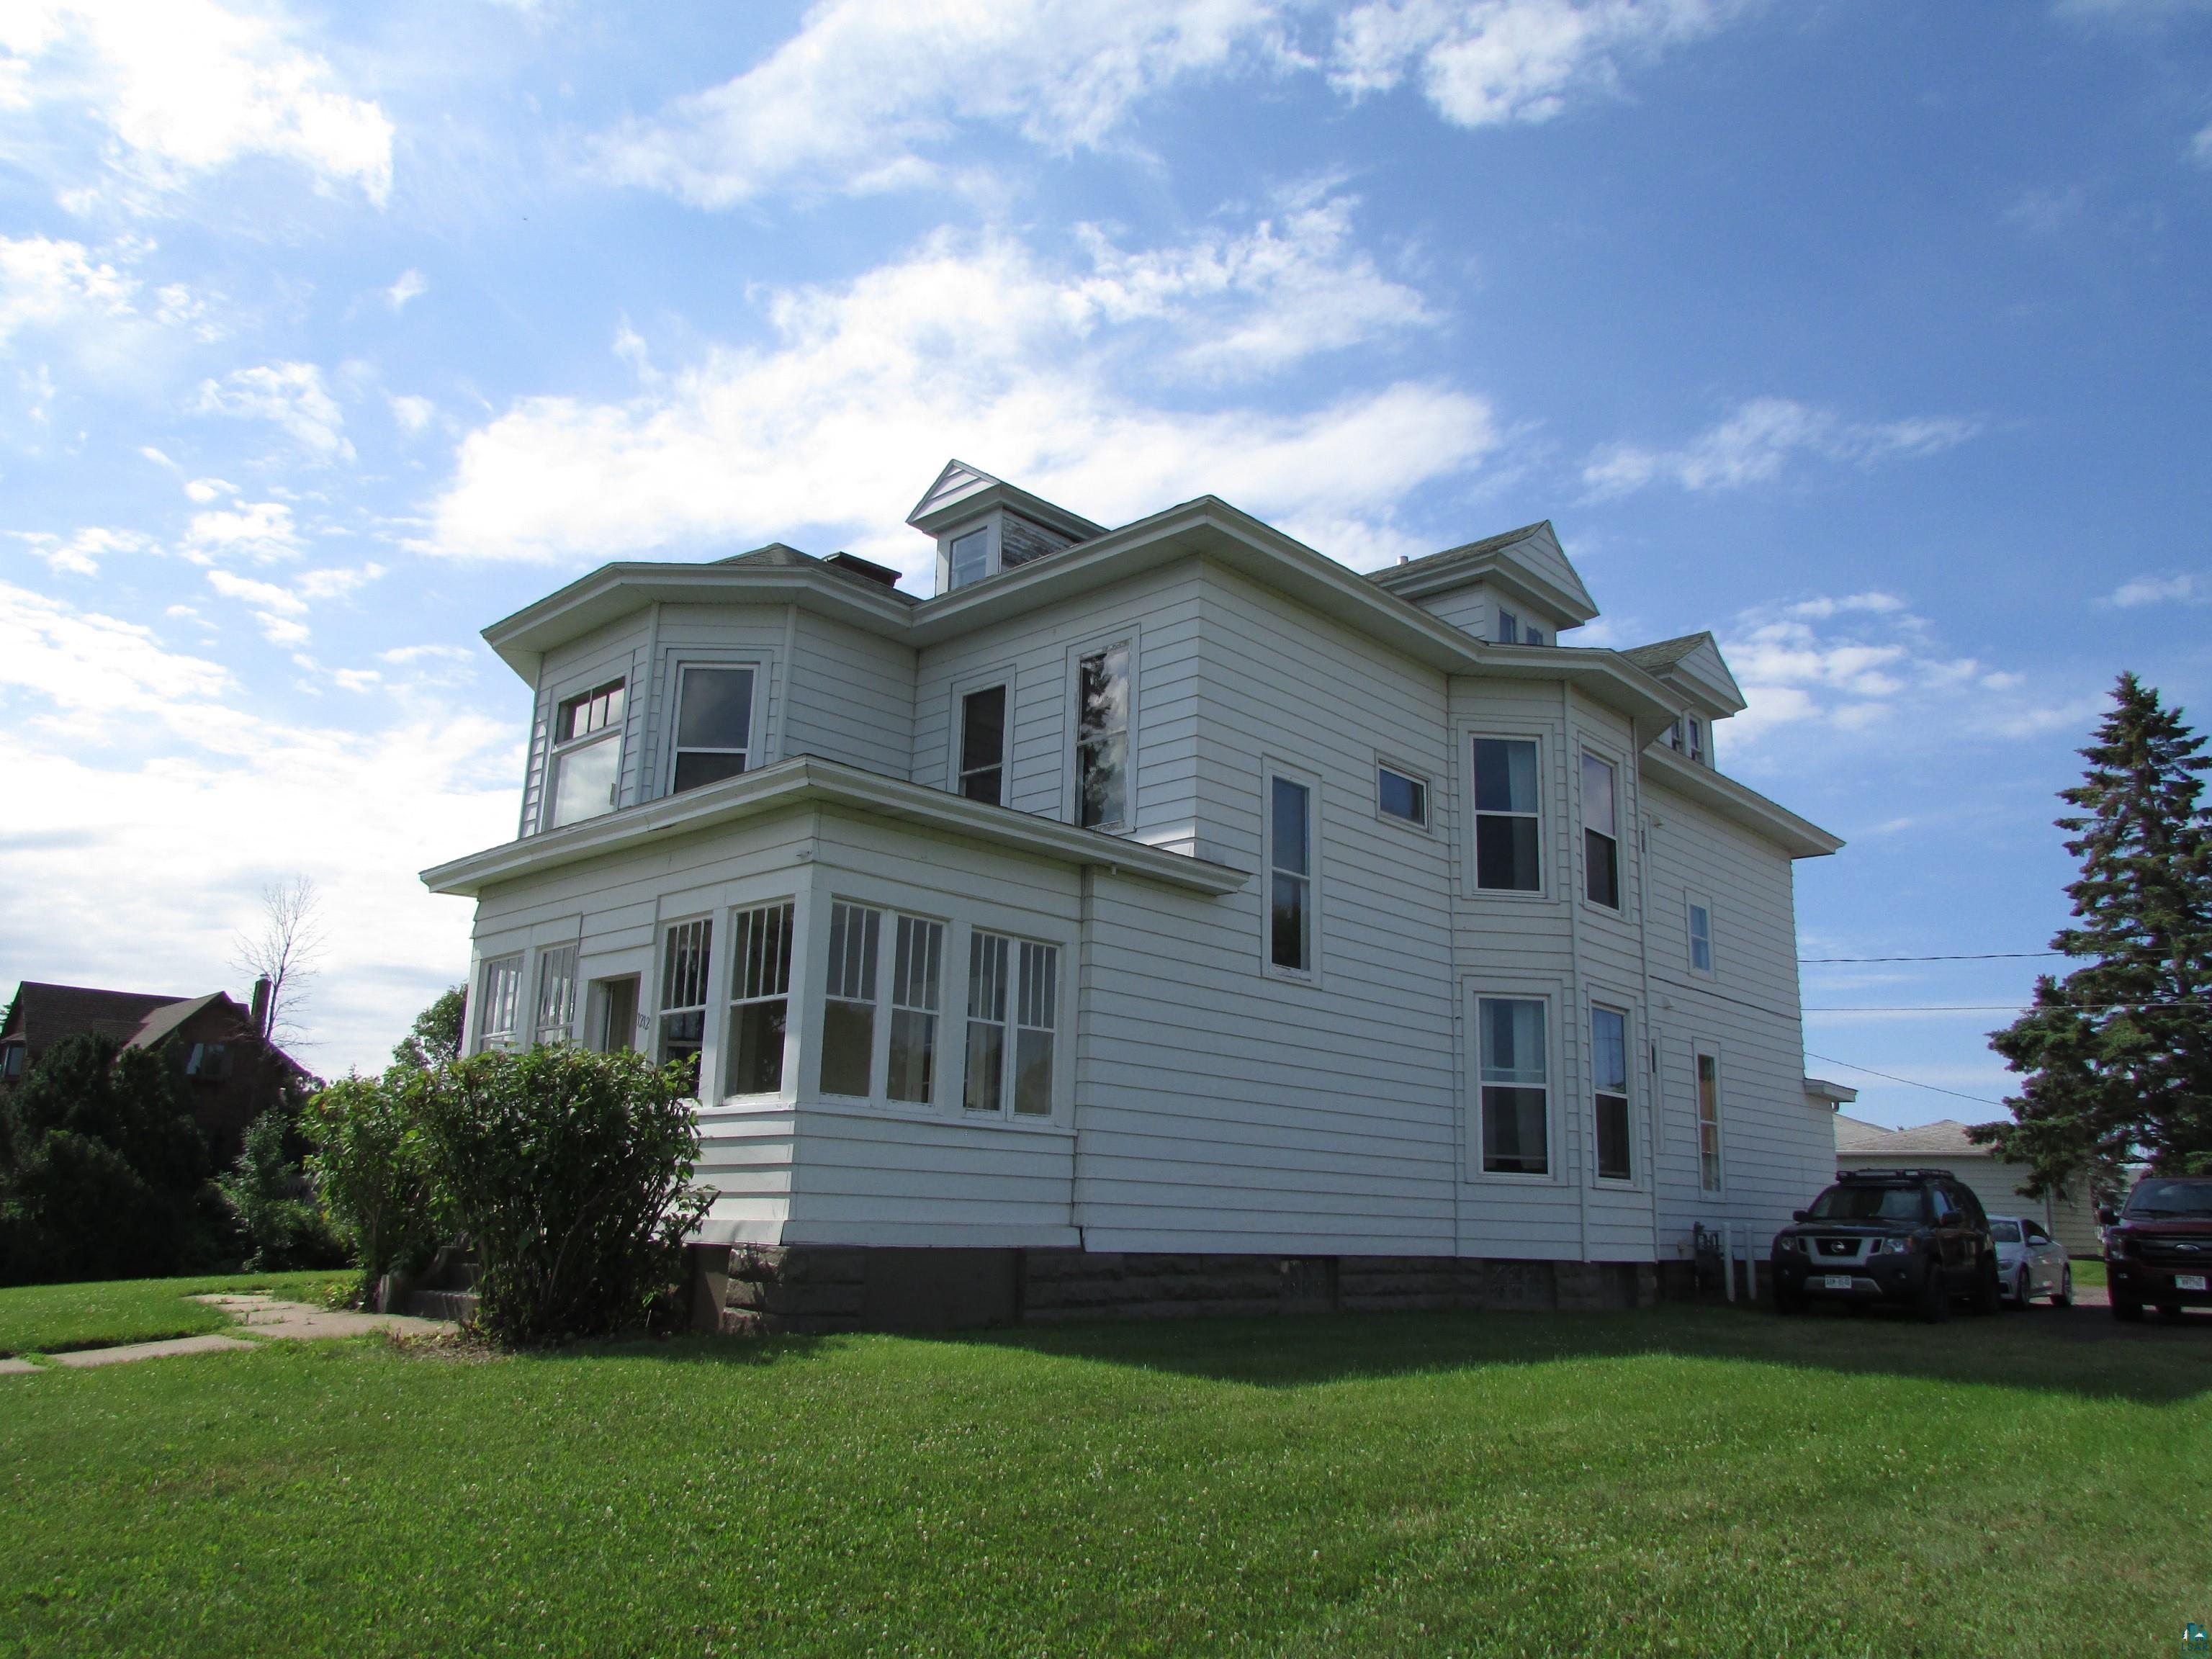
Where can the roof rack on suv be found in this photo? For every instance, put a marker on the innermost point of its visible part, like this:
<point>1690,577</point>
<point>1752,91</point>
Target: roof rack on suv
<point>1891,1175</point>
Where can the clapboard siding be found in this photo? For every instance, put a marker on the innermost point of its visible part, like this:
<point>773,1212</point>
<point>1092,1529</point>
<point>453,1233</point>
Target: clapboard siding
<point>852,697</point>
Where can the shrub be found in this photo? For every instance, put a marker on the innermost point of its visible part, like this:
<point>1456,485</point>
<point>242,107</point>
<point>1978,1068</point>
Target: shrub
<point>569,1173</point>
<point>369,1169</point>
<point>274,1202</point>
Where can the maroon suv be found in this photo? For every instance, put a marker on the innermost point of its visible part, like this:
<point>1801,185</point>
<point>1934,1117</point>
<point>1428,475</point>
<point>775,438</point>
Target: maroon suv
<point>2158,1251</point>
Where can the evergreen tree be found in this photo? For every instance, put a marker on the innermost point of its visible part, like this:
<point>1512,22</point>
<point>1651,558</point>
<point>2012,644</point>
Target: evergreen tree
<point>2118,1054</point>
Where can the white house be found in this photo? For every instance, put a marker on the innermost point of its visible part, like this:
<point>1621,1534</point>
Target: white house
<point>1165,918</point>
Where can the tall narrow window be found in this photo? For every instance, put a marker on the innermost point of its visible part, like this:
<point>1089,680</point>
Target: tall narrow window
<point>586,760</point>
<point>916,965</point>
<point>1290,853</point>
<point>986,1087</point>
<point>1509,628</point>
<point>1675,737</point>
<point>1036,1016</point>
<point>1600,834</point>
<point>503,1004</point>
<point>983,746</point>
<point>1515,1090</point>
<point>1708,1123</point>
<point>1609,1084</point>
<point>683,993</point>
<point>556,994</point>
<point>1701,938</point>
<point>970,557</point>
<point>1505,815</point>
<point>849,1017</point>
<point>1697,737</point>
<point>714,725</point>
<point>1102,740</point>
<point>760,999</point>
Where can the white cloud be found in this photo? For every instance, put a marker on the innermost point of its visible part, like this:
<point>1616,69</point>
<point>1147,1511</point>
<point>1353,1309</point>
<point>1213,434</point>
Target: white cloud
<point>1483,62</point>
<point>128,761</point>
<point>79,553</point>
<point>2200,147</point>
<point>291,394</point>
<point>185,86</point>
<point>2183,589</point>
<point>46,283</point>
<point>412,413</point>
<point>412,285</point>
<point>1754,442</point>
<point>973,349</point>
<point>205,490</point>
<point>260,530</point>
<point>279,609</point>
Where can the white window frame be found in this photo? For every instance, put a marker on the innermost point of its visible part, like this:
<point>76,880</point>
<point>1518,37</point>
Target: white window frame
<point>1605,1003</point>
<point>1552,996</point>
<point>988,530</point>
<point>903,923</point>
<point>859,983</point>
<point>1702,1050</point>
<point>755,722</point>
<point>956,760</point>
<point>1016,985</point>
<point>740,988</point>
<point>662,1007</point>
<point>1547,858</point>
<point>559,749</point>
<point>493,1031</point>
<point>1426,825</point>
<point>1071,745</point>
<point>883,1002</point>
<point>552,1021</point>
<point>1691,903</point>
<point>1620,906</point>
<point>1270,770</point>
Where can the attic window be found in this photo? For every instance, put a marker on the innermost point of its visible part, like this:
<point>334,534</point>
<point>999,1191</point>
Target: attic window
<point>11,1060</point>
<point>971,557</point>
<point>1697,729</point>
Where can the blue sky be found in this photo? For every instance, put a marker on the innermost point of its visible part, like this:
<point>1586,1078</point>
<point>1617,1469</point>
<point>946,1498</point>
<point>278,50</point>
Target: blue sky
<point>1872,335</point>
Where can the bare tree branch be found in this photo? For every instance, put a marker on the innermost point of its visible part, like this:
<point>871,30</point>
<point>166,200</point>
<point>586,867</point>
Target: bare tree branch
<point>285,949</point>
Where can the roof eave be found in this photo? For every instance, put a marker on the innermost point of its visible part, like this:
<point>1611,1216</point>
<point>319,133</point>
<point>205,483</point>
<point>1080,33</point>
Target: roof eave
<point>1800,837</point>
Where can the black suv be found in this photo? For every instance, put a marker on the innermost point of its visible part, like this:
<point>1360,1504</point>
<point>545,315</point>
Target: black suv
<point>2158,1249</point>
<point>1914,1236</point>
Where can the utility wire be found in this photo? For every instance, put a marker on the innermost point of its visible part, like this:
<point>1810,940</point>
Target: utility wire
<point>1977,956</point>
<point>1994,1007</point>
<point>1849,1066</point>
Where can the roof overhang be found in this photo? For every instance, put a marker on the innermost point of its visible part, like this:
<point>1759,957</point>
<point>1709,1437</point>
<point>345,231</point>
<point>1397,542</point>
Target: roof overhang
<point>1798,838</point>
<point>1834,1095</point>
<point>809,781</point>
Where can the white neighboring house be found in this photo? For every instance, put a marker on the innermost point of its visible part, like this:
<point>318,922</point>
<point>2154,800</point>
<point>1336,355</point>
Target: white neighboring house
<point>2069,1215</point>
<point>1165,918</point>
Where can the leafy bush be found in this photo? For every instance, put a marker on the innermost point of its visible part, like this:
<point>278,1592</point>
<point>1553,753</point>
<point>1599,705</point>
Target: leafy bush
<point>569,1173</point>
<point>369,1169</point>
<point>274,1202</point>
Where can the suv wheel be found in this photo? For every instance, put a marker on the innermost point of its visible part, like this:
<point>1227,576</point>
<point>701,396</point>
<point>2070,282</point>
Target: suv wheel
<point>1786,1302</point>
<point>1935,1295</point>
<point>2064,1296</point>
<point>1989,1294</point>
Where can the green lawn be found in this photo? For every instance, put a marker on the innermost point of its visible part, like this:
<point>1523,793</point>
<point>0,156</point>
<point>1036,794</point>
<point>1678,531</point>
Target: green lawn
<point>2089,1274</point>
<point>55,1318</point>
<point>1682,1480</point>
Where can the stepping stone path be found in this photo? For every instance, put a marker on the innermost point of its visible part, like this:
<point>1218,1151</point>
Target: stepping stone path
<point>263,1317</point>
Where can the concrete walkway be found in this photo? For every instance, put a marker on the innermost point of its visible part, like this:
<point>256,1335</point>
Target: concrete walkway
<point>260,1316</point>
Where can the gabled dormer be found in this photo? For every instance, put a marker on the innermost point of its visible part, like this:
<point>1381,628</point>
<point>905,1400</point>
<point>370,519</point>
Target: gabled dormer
<point>1515,589</point>
<point>1692,667</point>
<point>984,525</point>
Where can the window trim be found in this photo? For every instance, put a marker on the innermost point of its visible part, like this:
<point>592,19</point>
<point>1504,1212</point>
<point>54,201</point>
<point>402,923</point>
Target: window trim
<point>564,1031</point>
<point>1604,1001</point>
<point>988,530</point>
<point>1009,1058</point>
<point>878,1026</point>
<point>663,932</point>
<point>1071,809</point>
<point>679,664</point>
<point>955,745</point>
<point>1590,751</point>
<point>486,1033</point>
<point>1426,825</point>
<point>1691,902</point>
<point>727,1001</point>
<point>1470,839</point>
<point>1271,769</point>
<point>1554,994</point>
<point>1702,1049</point>
<point>559,749</point>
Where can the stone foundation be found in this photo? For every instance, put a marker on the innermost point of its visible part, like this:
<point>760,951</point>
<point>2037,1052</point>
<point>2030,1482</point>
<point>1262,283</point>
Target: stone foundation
<point>762,1290</point>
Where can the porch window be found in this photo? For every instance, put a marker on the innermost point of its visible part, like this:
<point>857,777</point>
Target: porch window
<point>983,746</point>
<point>1102,750</point>
<point>986,1089</point>
<point>1036,1018</point>
<point>586,760</point>
<point>1506,839</point>
<point>760,999</point>
<point>1708,1123</point>
<point>849,1016</point>
<point>1609,1080</point>
<point>714,725</point>
<point>1600,834</point>
<point>502,999</point>
<point>1515,1085</point>
<point>556,994</point>
<point>1011,1065</point>
<point>684,993</point>
<point>917,966</point>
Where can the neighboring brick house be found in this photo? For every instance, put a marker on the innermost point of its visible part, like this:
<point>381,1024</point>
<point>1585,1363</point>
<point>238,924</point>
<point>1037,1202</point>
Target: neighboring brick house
<point>233,1072</point>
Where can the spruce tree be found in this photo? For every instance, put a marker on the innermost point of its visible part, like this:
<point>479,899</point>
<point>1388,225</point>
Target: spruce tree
<point>2118,1054</point>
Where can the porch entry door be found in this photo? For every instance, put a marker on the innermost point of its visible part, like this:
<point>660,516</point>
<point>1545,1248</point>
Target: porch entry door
<point>617,1028</point>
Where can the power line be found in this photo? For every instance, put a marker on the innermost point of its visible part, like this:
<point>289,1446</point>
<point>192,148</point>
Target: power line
<point>1994,1007</point>
<point>1850,1066</point>
<point>1976,956</point>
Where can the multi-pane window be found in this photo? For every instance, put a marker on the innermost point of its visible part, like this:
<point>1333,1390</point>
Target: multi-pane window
<point>502,1003</point>
<point>849,1016</point>
<point>983,746</point>
<point>1708,1123</point>
<point>1600,834</point>
<point>1290,856</point>
<point>1021,979</point>
<point>714,725</point>
<point>917,963</point>
<point>556,995</point>
<point>1701,938</point>
<point>1102,739</point>
<point>1609,1087</point>
<point>1505,815</point>
<point>971,557</point>
<point>683,993</point>
<point>587,762</point>
<point>1399,795</point>
<point>760,999</point>
<point>1515,1087</point>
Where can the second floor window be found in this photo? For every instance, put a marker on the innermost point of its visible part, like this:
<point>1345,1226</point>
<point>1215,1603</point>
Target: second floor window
<point>1102,739</point>
<point>1509,628</point>
<point>587,760</point>
<point>714,725</point>
<point>1505,815</point>
<point>1600,834</point>
<point>983,746</point>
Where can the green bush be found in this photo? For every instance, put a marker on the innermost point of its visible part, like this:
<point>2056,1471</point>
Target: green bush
<point>569,1173</point>
<point>273,1201</point>
<point>370,1171</point>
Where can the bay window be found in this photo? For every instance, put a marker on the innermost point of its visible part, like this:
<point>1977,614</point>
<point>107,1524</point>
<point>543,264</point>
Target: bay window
<point>684,993</point>
<point>503,1004</point>
<point>1516,1091</point>
<point>1505,817</point>
<point>848,1014</point>
<point>916,962</point>
<point>1600,834</point>
<point>586,764</point>
<point>714,725</point>
<point>1013,1016</point>
<point>556,994</point>
<point>760,999</point>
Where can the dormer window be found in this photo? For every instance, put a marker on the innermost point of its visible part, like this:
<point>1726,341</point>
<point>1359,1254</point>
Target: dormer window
<point>1509,628</point>
<point>1532,636</point>
<point>586,754</point>
<point>1697,739</point>
<point>970,557</point>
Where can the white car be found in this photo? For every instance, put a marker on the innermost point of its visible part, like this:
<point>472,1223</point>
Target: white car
<point>2031,1262</point>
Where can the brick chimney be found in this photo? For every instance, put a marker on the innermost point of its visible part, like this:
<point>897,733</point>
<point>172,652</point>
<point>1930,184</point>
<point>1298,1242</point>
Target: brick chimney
<point>261,1006</point>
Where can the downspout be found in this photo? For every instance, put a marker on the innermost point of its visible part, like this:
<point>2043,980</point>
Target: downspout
<point>643,791</point>
<point>1651,1071</point>
<point>1574,1023</point>
<point>1466,1081</point>
<point>1085,948</point>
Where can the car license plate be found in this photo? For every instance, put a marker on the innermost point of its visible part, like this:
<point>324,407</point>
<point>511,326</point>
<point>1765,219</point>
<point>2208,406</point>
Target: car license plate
<point>2189,1281</point>
<point>1841,1281</point>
